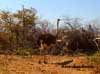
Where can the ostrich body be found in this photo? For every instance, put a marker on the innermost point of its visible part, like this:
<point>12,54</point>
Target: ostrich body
<point>45,40</point>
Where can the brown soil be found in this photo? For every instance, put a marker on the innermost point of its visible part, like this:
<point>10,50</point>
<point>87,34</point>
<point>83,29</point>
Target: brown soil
<point>12,64</point>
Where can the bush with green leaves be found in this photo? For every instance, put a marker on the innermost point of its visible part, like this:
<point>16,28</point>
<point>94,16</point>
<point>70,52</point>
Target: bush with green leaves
<point>24,52</point>
<point>95,58</point>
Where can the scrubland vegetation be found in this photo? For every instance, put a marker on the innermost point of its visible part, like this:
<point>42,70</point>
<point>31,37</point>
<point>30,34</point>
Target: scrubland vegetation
<point>20,30</point>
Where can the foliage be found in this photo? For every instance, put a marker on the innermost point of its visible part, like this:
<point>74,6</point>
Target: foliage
<point>23,28</point>
<point>95,61</point>
<point>23,52</point>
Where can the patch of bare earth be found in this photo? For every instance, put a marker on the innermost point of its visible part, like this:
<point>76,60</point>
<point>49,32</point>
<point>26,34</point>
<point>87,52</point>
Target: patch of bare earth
<point>10,64</point>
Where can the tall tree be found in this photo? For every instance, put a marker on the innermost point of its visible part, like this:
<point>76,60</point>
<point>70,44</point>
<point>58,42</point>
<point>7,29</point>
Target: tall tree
<point>26,18</point>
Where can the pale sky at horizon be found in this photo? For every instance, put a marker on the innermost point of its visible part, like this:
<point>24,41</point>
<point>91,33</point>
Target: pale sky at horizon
<point>51,9</point>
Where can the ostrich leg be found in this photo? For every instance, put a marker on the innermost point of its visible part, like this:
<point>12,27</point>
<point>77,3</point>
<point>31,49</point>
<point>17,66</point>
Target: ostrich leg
<point>97,45</point>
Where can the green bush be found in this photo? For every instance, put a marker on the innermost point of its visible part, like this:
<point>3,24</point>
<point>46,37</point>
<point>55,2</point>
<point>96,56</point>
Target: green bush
<point>24,52</point>
<point>95,58</point>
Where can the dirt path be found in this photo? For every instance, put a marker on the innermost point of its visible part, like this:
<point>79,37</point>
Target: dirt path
<point>35,65</point>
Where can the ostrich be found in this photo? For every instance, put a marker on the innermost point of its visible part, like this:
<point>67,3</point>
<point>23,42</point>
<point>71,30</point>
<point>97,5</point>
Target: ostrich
<point>45,40</point>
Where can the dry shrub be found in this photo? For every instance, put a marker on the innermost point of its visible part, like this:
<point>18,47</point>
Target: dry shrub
<point>82,41</point>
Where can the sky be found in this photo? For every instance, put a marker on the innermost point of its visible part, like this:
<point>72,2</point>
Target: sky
<point>53,9</point>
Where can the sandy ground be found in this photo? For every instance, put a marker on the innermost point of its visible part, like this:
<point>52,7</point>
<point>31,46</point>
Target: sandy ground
<point>10,64</point>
